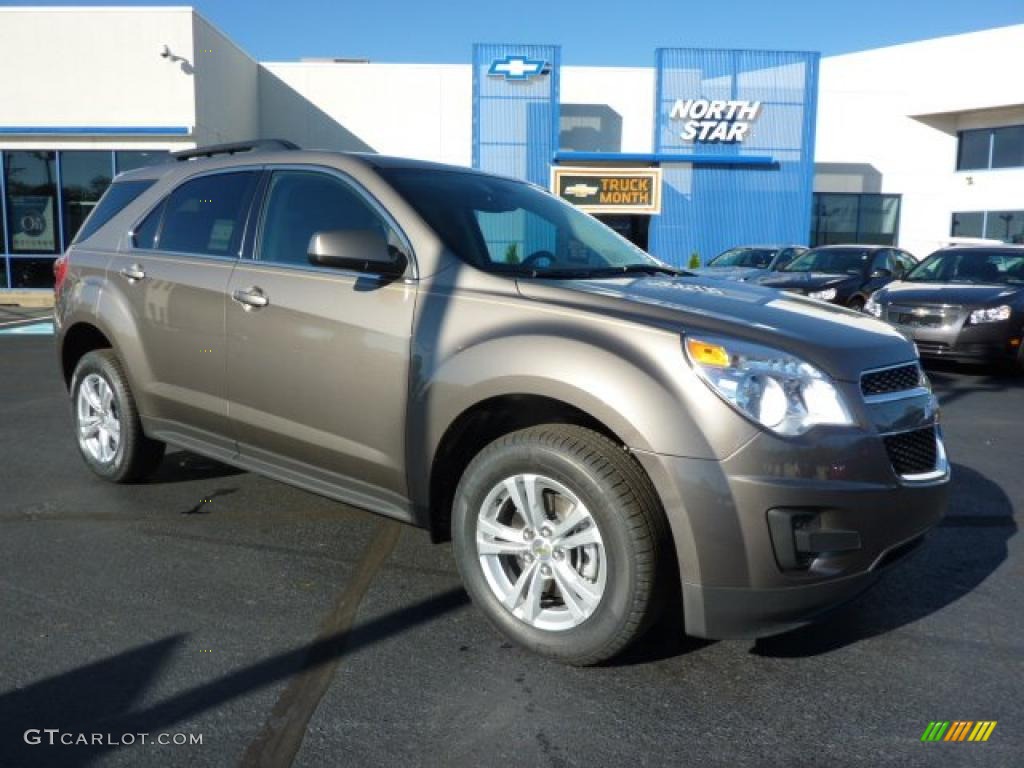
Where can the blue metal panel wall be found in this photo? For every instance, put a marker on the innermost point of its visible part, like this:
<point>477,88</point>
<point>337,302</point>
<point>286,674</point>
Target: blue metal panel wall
<point>710,207</point>
<point>515,121</point>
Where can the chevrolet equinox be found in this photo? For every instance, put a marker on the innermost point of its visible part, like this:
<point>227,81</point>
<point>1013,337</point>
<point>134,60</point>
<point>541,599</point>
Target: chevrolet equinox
<point>603,437</point>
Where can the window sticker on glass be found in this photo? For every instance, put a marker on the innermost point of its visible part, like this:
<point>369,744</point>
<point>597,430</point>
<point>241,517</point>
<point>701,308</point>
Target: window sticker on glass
<point>220,235</point>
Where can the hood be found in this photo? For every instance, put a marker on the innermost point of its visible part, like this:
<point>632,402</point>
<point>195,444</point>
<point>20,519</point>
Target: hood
<point>807,281</point>
<point>949,293</point>
<point>730,273</point>
<point>839,341</point>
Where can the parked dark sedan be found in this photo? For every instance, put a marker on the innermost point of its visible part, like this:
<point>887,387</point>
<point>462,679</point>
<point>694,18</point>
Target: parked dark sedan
<point>962,303</point>
<point>749,262</point>
<point>842,274</point>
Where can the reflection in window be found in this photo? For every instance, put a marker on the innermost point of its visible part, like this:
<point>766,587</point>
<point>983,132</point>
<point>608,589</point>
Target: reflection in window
<point>1007,226</point>
<point>870,219</point>
<point>31,273</point>
<point>1008,147</point>
<point>31,185</point>
<point>85,176</point>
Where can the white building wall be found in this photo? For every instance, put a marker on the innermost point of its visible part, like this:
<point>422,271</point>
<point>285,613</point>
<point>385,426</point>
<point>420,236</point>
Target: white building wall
<point>94,67</point>
<point>891,117</point>
<point>423,111</point>
<point>226,88</point>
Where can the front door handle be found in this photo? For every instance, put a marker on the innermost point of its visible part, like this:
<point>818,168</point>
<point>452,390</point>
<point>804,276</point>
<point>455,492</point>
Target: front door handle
<point>252,298</point>
<point>133,273</point>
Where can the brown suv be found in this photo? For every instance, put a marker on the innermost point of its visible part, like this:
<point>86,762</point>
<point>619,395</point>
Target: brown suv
<point>601,435</point>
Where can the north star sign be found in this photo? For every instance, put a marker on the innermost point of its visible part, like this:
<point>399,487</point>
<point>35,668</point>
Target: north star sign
<point>517,67</point>
<point>715,121</point>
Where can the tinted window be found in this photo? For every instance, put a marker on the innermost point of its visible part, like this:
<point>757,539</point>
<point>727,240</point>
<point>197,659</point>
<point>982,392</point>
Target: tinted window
<point>207,215</point>
<point>854,218</point>
<point>112,203</point>
<point>85,176</point>
<point>301,203</point>
<point>31,179</point>
<point>834,261</point>
<point>1008,147</point>
<point>973,150</point>
<point>144,235</point>
<point>970,266</point>
<point>1007,226</point>
<point>968,224</point>
<point>905,260</point>
<point>883,260</point>
<point>129,161</point>
<point>758,258</point>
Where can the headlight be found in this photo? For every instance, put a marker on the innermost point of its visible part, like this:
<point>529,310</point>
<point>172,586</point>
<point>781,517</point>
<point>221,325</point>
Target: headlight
<point>775,389</point>
<point>990,315</point>
<point>826,295</point>
<point>872,307</point>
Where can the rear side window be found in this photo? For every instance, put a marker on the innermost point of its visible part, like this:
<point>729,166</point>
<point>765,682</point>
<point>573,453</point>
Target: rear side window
<point>117,197</point>
<point>206,216</point>
<point>144,235</point>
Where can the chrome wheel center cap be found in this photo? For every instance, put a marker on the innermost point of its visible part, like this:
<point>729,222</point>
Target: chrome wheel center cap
<point>541,548</point>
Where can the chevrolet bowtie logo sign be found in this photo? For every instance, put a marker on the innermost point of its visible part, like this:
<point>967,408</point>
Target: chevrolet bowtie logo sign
<point>517,68</point>
<point>580,190</point>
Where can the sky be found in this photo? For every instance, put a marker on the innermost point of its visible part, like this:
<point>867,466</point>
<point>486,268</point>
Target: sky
<point>591,32</point>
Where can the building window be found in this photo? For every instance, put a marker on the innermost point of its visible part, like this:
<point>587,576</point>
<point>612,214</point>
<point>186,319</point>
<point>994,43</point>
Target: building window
<point>44,198</point>
<point>30,180</point>
<point>991,148</point>
<point>870,219</point>
<point>85,176</point>
<point>1007,226</point>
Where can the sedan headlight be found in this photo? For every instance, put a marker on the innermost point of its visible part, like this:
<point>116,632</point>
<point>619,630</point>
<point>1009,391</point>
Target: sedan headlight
<point>826,295</point>
<point>777,390</point>
<point>872,307</point>
<point>990,315</point>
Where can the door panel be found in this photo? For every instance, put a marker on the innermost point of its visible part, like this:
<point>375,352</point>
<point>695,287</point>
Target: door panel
<point>318,358</point>
<point>319,375</point>
<point>172,277</point>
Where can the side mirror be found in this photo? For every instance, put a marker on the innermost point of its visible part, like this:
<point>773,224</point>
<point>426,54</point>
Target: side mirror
<point>362,250</point>
<point>882,273</point>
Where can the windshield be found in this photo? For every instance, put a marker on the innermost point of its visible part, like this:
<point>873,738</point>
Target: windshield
<point>759,258</point>
<point>508,226</point>
<point>979,267</point>
<point>833,261</point>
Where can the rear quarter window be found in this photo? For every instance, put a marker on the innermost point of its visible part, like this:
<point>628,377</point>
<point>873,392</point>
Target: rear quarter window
<point>117,197</point>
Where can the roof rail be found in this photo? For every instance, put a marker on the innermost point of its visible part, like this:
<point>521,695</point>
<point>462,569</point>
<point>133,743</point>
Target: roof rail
<point>232,148</point>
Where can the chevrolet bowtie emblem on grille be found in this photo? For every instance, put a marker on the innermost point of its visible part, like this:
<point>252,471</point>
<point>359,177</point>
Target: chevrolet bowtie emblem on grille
<point>580,190</point>
<point>517,68</point>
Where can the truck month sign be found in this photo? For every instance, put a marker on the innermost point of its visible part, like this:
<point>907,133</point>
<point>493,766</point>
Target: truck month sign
<point>609,190</point>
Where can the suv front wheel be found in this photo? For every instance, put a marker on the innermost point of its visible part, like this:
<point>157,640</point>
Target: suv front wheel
<point>557,535</point>
<point>110,436</point>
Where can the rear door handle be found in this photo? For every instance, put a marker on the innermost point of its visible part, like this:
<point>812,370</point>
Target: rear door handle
<point>253,298</point>
<point>133,273</point>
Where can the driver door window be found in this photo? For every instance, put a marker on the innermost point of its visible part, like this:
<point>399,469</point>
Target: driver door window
<point>301,203</point>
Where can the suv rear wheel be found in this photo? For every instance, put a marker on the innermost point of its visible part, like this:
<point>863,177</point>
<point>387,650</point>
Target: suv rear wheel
<point>557,535</point>
<point>107,424</point>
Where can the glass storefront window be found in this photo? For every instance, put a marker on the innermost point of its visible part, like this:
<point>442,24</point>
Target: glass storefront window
<point>30,180</point>
<point>972,153</point>
<point>840,218</point>
<point>31,273</point>
<point>84,178</point>
<point>1007,226</point>
<point>969,224</point>
<point>130,160</point>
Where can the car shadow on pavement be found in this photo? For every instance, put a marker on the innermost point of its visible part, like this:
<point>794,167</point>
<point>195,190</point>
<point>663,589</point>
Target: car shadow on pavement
<point>103,697</point>
<point>963,551</point>
<point>954,381</point>
<point>183,467</point>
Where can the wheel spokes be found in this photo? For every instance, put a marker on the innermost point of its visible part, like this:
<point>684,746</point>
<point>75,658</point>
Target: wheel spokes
<point>528,499</point>
<point>579,595</point>
<point>493,538</point>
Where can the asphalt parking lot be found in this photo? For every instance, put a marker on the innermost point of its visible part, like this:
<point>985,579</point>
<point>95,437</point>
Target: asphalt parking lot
<point>285,629</point>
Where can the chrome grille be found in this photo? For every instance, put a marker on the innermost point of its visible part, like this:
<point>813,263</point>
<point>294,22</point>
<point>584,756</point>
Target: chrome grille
<point>887,380</point>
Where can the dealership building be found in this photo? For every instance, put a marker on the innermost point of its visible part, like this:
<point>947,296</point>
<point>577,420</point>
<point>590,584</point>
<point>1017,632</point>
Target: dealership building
<point>912,145</point>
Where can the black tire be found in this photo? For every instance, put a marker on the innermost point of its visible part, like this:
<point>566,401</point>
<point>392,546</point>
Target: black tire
<point>136,455</point>
<point>623,505</point>
<point>856,304</point>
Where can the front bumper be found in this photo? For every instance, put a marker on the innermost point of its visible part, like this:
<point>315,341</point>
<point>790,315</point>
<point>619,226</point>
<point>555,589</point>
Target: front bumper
<point>735,578</point>
<point>962,342</point>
